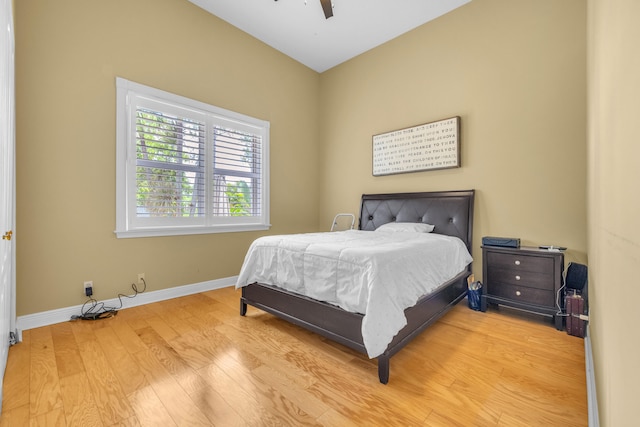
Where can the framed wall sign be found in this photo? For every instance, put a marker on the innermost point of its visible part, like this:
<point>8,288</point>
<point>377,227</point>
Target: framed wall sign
<point>434,145</point>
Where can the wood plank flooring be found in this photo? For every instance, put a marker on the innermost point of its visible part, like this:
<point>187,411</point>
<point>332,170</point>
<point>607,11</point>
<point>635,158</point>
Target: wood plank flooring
<point>194,361</point>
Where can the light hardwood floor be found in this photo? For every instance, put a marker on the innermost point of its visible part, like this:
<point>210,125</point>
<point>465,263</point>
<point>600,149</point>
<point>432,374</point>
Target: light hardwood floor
<point>195,361</point>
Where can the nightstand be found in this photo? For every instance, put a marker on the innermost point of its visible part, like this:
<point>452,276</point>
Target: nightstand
<point>526,278</point>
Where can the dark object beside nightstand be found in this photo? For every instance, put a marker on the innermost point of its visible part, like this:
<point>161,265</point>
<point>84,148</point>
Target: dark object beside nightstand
<point>525,278</point>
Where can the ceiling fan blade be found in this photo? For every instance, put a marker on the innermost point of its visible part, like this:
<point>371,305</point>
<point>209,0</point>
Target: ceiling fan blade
<point>326,7</point>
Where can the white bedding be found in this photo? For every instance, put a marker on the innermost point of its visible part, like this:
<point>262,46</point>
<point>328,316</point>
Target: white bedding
<point>377,274</point>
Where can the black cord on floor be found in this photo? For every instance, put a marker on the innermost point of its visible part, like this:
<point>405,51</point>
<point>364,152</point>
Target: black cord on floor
<point>94,310</point>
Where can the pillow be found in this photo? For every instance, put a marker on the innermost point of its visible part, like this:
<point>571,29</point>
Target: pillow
<point>415,227</point>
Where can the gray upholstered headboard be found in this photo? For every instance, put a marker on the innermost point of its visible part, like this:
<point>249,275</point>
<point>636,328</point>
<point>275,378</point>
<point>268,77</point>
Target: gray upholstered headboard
<point>450,211</point>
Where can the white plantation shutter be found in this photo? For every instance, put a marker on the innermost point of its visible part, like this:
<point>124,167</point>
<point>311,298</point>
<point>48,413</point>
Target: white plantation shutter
<point>185,167</point>
<point>237,159</point>
<point>170,165</point>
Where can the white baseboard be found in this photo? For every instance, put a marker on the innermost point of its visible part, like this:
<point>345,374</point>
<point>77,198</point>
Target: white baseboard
<point>592,398</point>
<point>51,317</point>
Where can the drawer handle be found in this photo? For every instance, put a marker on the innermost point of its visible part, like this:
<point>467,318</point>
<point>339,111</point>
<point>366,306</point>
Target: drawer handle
<point>517,262</point>
<point>517,277</point>
<point>518,293</point>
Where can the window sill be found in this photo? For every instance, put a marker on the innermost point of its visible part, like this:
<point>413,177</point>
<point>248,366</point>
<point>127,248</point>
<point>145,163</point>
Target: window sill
<point>185,231</point>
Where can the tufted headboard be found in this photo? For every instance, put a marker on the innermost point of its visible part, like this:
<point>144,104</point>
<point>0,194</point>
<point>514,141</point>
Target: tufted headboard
<point>450,211</point>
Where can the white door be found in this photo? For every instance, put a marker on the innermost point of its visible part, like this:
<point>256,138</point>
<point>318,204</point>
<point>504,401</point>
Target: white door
<point>7,184</point>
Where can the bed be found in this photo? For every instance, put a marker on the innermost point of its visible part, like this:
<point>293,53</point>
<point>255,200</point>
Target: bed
<point>451,214</point>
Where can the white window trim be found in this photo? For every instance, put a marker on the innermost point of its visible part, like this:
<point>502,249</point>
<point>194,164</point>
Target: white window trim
<point>124,154</point>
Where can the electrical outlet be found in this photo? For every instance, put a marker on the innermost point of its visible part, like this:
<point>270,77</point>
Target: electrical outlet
<point>88,288</point>
<point>141,279</point>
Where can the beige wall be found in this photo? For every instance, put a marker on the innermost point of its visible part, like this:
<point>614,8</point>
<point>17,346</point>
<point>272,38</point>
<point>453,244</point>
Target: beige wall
<point>515,72</point>
<point>614,206</point>
<point>68,55</point>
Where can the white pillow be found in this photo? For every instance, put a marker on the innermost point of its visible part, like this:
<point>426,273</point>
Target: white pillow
<point>415,227</point>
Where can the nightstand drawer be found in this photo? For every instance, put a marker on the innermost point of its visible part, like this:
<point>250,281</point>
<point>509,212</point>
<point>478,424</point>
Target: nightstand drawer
<point>523,294</point>
<point>520,262</point>
<point>542,279</point>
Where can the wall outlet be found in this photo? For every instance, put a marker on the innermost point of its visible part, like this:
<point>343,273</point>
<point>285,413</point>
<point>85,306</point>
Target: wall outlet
<point>88,288</point>
<point>141,279</point>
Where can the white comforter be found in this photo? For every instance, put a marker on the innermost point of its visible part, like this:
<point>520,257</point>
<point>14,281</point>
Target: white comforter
<point>377,274</point>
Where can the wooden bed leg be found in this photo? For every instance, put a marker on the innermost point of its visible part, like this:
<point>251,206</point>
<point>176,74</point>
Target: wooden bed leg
<point>383,369</point>
<point>243,307</point>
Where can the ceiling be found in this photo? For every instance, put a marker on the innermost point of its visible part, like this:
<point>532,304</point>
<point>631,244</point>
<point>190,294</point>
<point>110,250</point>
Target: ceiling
<point>298,28</point>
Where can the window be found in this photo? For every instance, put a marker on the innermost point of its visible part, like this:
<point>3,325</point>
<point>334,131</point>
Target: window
<point>185,167</point>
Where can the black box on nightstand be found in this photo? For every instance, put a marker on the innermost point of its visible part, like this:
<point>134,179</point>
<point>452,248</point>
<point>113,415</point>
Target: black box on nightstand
<point>505,242</point>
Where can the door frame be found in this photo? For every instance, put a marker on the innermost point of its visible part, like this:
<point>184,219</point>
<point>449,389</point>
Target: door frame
<point>8,334</point>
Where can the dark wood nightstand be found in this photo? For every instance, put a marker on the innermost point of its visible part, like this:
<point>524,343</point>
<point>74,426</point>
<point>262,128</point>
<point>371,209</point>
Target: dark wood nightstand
<point>526,278</point>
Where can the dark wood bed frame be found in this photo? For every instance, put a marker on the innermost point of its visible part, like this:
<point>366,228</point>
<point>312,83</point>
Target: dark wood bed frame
<point>452,214</point>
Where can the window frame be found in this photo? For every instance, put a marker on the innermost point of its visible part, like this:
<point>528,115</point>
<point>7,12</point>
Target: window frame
<point>130,96</point>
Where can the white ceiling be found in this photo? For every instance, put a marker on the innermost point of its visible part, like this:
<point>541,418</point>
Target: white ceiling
<point>299,29</point>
